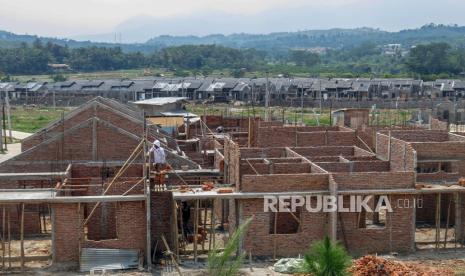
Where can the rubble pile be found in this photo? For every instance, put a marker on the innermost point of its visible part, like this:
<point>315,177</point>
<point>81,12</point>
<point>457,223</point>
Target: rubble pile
<point>372,265</point>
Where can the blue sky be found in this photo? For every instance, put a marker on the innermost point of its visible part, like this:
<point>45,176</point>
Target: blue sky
<point>74,18</point>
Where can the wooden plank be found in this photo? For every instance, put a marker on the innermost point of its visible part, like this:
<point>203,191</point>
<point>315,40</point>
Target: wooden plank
<point>22,236</point>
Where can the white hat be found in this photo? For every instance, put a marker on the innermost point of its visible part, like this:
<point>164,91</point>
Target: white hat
<point>157,143</point>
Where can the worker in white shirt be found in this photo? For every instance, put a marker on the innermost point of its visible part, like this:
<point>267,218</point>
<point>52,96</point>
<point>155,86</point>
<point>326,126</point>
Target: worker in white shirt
<point>158,157</point>
<point>157,154</point>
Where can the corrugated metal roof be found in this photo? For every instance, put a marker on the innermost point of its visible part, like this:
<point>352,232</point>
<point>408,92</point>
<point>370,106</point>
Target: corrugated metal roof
<point>108,259</point>
<point>161,100</point>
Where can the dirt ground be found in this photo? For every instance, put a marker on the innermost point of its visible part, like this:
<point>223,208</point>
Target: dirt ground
<point>444,258</point>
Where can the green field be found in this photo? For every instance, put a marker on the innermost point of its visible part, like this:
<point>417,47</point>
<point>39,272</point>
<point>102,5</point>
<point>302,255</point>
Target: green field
<point>31,120</point>
<point>293,115</point>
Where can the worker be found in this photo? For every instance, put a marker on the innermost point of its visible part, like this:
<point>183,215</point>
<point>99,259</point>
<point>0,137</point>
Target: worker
<point>220,129</point>
<point>158,157</point>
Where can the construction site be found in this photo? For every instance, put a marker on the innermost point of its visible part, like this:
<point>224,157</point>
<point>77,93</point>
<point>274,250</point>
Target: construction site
<point>82,195</point>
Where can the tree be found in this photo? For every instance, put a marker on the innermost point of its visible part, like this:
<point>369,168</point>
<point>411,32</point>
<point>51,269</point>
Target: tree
<point>326,258</point>
<point>223,264</point>
<point>59,77</point>
<point>433,58</point>
<point>304,58</point>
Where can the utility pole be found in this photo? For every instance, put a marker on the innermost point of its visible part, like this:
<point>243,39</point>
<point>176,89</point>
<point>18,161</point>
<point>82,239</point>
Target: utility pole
<point>4,125</point>
<point>54,103</point>
<point>267,99</point>
<point>8,114</point>
<point>302,103</point>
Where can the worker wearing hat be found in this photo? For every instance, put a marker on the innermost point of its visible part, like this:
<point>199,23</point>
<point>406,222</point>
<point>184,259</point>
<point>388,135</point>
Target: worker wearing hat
<point>158,155</point>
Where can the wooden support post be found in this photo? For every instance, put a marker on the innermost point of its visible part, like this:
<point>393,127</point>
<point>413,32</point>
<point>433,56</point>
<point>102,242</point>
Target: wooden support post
<point>438,219</point>
<point>196,221</point>
<point>212,227</point>
<point>9,241</point>
<point>181,219</point>
<point>22,235</point>
<point>458,218</point>
<point>44,218</point>
<point>389,148</point>
<point>204,223</point>
<point>3,236</point>
<point>274,232</point>
<point>176,230</point>
<point>81,230</point>
<point>447,220</point>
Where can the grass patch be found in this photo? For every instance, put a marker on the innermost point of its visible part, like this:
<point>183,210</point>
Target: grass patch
<point>31,120</point>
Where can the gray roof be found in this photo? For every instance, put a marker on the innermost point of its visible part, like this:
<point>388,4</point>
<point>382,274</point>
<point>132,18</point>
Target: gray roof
<point>161,101</point>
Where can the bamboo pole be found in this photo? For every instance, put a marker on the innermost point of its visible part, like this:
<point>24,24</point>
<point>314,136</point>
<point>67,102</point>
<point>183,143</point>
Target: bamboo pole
<point>212,227</point>
<point>44,219</point>
<point>22,235</point>
<point>274,231</point>
<point>176,229</point>
<point>181,218</point>
<point>9,241</point>
<point>204,223</point>
<point>196,212</point>
<point>172,258</point>
<point>3,237</point>
<point>120,172</point>
<point>438,219</point>
<point>447,221</point>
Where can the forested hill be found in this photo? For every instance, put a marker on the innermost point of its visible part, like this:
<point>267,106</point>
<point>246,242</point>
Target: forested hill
<point>12,40</point>
<point>332,38</point>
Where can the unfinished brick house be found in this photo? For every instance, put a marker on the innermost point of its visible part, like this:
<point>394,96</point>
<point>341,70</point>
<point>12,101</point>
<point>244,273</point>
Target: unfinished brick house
<point>320,170</point>
<point>104,200</point>
<point>83,152</point>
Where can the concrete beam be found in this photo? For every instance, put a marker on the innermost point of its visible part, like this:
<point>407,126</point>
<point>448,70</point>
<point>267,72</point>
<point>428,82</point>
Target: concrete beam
<point>33,176</point>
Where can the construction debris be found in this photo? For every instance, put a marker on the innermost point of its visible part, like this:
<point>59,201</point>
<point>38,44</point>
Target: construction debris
<point>373,265</point>
<point>288,265</point>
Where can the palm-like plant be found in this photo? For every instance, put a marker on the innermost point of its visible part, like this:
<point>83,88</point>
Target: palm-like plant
<point>326,258</point>
<point>223,263</point>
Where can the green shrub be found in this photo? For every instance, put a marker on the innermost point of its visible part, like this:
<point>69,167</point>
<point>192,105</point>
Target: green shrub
<point>326,258</point>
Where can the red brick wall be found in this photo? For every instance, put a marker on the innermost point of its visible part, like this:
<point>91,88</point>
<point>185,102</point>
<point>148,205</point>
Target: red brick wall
<point>102,112</point>
<point>284,183</point>
<point>162,219</point>
<point>260,242</point>
<point>398,235</point>
<point>375,180</point>
<point>66,221</point>
<point>303,136</point>
<point>131,230</point>
<point>438,125</point>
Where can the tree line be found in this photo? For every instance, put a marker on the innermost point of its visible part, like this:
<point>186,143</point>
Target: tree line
<point>367,59</point>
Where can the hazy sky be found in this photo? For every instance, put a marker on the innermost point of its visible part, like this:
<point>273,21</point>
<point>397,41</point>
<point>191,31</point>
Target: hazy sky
<point>69,18</point>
